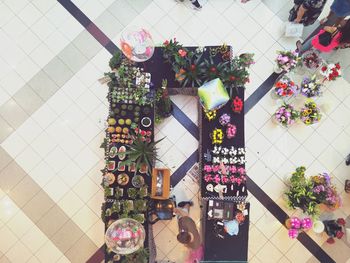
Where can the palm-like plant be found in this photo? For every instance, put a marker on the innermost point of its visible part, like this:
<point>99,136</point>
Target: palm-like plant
<point>141,153</point>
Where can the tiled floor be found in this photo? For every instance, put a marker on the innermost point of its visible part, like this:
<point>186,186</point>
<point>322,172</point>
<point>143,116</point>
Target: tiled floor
<point>52,112</point>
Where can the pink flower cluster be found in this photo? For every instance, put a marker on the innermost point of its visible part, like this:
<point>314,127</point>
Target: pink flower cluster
<point>234,174</point>
<point>297,225</point>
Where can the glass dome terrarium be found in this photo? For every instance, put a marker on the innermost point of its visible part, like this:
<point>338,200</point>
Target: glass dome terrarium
<point>125,236</point>
<point>137,44</point>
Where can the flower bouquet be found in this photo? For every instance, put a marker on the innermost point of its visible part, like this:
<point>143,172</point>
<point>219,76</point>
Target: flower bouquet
<point>310,114</point>
<point>331,71</point>
<point>334,229</point>
<point>310,87</point>
<point>217,136</point>
<point>286,115</point>
<point>311,59</point>
<point>285,87</point>
<point>287,60</point>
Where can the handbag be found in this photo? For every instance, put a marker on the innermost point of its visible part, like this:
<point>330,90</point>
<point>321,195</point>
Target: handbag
<point>325,39</point>
<point>294,30</point>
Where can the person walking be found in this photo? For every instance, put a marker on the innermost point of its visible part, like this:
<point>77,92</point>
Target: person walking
<point>195,4</point>
<point>340,9</point>
<point>188,233</point>
<point>306,12</point>
<point>328,39</point>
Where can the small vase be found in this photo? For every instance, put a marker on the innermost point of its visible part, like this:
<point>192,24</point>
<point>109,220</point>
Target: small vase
<point>277,69</point>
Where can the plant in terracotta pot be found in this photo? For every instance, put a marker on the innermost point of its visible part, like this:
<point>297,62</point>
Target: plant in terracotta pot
<point>141,153</point>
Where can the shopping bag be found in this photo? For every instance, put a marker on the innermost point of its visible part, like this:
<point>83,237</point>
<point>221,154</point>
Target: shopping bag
<point>294,30</point>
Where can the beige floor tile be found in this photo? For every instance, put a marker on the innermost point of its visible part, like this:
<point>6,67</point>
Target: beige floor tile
<point>20,224</point>
<point>5,158</point>
<point>8,208</point>
<point>34,239</point>
<point>78,255</point>
<point>43,85</point>
<point>13,114</point>
<point>281,240</point>
<point>52,221</point>
<point>5,130</point>
<point>67,236</point>
<point>48,253</point>
<point>256,239</point>
<point>37,207</point>
<point>24,191</point>
<point>268,224</point>
<point>166,240</point>
<point>85,218</point>
<point>28,99</point>
<point>96,233</point>
<point>7,240</point>
<point>33,259</point>
<point>19,253</point>
<point>269,253</point>
<point>298,253</point>
<point>70,203</point>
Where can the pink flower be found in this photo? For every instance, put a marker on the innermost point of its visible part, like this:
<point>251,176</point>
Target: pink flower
<point>224,179</point>
<point>232,179</point>
<point>207,168</point>
<point>215,168</point>
<point>217,179</point>
<point>182,53</point>
<point>166,42</point>
<point>293,233</point>
<point>208,178</point>
<point>233,169</point>
<point>241,171</point>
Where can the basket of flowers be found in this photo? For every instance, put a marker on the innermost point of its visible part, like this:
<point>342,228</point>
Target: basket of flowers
<point>286,115</point>
<point>310,87</point>
<point>285,87</point>
<point>286,61</point>
<point>310,113</point>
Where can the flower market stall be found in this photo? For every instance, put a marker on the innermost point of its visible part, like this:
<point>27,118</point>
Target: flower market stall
<point>136,91</point>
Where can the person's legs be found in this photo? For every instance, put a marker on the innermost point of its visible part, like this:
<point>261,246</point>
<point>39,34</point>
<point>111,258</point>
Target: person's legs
<point>302,48</point>
<point>185,204</point>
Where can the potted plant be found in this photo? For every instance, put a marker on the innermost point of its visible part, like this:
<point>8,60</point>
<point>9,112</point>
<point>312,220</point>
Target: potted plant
<point>138,181</point>
<point>164,106</point>
<point>118,192</point>
<point>141,153</point>
<point>140,256</point>
<point>143,192</point>
<point>116,60</point>
<point>132,193</point>
<point>139,217</point>
<point>140,205</point>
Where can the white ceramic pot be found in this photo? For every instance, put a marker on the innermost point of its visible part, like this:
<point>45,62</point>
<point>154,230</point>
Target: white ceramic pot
<point>318,227</point>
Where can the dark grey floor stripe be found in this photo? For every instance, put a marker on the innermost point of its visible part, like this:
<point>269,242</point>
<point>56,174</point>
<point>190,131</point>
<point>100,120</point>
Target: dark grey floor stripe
<point>185,121</point>
<point>311,245</point>
<point>89,25</point>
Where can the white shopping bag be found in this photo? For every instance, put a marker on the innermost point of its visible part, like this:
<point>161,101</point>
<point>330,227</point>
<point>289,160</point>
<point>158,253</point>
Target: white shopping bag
<point>294,30</point>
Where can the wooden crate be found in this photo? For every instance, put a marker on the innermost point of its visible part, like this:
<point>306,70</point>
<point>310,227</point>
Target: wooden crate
<point>160,183</point>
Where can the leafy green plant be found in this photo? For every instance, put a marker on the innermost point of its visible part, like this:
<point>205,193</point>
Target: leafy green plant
<point>211,70</point>
<point>132,193</point>
<point>140,256</point>
<point>140,205</point>
<point>300,194</point>
<point>141,153</point>
<point>116,60</point>
<point>138,217</point>
<point>143,192</point>
<point>118,192</point>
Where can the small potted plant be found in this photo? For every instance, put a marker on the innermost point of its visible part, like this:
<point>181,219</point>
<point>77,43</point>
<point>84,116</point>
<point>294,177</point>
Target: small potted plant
<point>140,205</point>
<point>118,192</point>
<point>143,192</point>
<point>334,229</point>
<point>164,106</point>
<point>146,122</point>
<point>132,193</point>
<point>123,179</point>
<point>138,181</point>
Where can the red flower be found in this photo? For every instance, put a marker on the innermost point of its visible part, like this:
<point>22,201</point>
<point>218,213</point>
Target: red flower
<point>232,78</point>
<point>324,68</point>
<point>213,69</point>
<point>166,42</point>
<point>341,221</point>
<point>339,234</point>
<point>193,67</point>
<point>237,105</point>
<point>330,240</point>
<point>182,52</point>
<point>337,66</point>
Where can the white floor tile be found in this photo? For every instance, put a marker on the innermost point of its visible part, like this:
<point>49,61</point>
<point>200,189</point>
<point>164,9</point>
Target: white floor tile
<point>28,159</point>
<point>14,144</point>
<point>173,130</point>
<point>70,203</point>
<point>85,218</point>
<point>7,240</point>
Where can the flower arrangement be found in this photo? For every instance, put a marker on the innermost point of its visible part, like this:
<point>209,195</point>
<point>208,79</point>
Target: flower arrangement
<point>310,87</point>
<point>325,192</point>
<point>217,136</point>
<point>334,229</point>
<point>224,119</point>
<point>234,174</point>
<point>331,71</point>
<point>308,193</point>
<point>231,131</point>
<point>287,60</point>
<point>295,225</point>
<point>285,87</point>
<point>191,69</point>
<point>286,115</point>
<point>310,113</point>
<point>210,115</point>
<point>237,105</point>
<point>311,59</point>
